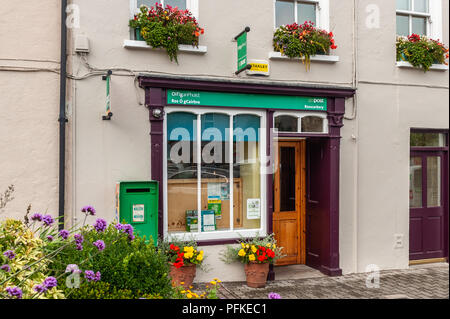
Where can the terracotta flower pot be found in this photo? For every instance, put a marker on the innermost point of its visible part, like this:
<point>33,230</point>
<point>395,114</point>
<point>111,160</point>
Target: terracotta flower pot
<point>185,274</point>
<point>256,274</point>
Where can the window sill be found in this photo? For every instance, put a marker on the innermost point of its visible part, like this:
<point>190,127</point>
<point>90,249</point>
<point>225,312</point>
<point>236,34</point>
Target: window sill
<point>436,67</point>
<point>133,44</point>
<point>315,58</point>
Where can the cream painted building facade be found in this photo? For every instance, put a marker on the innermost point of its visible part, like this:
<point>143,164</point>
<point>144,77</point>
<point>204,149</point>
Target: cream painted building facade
<point>374,105</point>
<point>29,103</point>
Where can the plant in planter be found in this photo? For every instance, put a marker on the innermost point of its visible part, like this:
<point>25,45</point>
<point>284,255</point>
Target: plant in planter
<point>421,51</point>
<point>256,254</point>
<point>183,261</point>
<point>303,41</point>
<point>166,28</point>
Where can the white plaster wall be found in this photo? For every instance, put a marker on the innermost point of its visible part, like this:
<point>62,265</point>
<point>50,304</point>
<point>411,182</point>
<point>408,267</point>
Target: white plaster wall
<point>391,101</point>
<point>29,105</point>
<point>214,267</point>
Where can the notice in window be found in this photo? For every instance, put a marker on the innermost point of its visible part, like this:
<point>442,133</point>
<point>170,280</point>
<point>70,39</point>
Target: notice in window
<point>138,213</point>
<point>253,208</point>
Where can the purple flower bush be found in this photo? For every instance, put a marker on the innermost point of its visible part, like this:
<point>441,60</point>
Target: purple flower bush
<point>64,234</point>
<point>50,282</point>
<point>100,225</point>
<point>5,268</point>
<point>90,276</point>
<point>89,210</point>
<point>9,254</point>
<point>100,244</point>
<point>15,292</point>
<point>36,217</point>
<point>48,220</point>
<point>274,295</point>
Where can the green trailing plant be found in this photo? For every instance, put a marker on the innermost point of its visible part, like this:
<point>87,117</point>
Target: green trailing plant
<point>421,51</point>
<point>167,28</point>
<point>303,41</point>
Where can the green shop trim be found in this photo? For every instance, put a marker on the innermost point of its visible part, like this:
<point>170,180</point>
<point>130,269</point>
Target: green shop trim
<point>261,101</point>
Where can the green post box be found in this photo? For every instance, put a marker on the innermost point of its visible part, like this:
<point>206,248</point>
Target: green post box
<point>138,206</point>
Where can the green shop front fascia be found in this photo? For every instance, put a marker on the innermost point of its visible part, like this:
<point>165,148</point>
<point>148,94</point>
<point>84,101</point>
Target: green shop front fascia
<point>242,100</point>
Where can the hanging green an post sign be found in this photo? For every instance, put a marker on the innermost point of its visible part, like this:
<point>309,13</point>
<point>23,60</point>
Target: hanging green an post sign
<point>109,114</point>
<point>242,60</point>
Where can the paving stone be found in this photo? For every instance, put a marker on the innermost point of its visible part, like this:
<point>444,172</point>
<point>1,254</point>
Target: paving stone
<point>413,283</point>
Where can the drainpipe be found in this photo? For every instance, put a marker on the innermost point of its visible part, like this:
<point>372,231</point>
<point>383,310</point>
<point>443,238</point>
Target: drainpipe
<point>62,114</point>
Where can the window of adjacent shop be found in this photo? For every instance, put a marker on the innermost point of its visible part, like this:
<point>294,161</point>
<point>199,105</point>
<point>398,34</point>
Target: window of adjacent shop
<point>420,139</point>
<point>213,167</point>
<point>422,17</point>
<point>301,122</point>
<point>299,11</point>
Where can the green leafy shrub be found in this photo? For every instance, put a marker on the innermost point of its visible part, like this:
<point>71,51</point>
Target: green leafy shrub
<point>126,262</point>
<point>421,51</point>
<point>302,41</point>
<point>167,28</point>
<point>104,290</point>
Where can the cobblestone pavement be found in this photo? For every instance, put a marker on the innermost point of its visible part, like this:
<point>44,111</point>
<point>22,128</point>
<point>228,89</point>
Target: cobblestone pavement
<point>414,283</point>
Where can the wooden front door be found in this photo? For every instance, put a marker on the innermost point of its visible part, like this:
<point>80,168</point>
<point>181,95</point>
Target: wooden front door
<point>427,206</point>
<point>289,199</point>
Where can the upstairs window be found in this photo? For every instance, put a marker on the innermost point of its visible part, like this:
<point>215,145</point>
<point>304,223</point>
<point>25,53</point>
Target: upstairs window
<point>422,17</point>
<point>299,11</point>
<point>181,4</point>
<point>413,16</point>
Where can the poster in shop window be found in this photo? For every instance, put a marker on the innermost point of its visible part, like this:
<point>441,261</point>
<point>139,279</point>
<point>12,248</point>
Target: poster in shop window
<point>253,208</point>
<point>215,204</point>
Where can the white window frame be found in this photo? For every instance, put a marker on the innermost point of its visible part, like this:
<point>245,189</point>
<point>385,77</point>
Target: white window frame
<point>221,234</point>
<point>434,18</point>
<point>322,13</point>
<point>192,5</point>
<point>300,115</point>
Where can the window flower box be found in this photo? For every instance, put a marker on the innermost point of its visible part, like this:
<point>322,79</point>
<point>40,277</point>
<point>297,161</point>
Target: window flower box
<point>421,52</point>
<point>135,44</point>
<point>166,28</point>
<point>304,42</point>
<point>137,34</point>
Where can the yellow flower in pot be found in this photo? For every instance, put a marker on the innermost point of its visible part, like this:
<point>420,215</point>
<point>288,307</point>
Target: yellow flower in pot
<point>256,254</point>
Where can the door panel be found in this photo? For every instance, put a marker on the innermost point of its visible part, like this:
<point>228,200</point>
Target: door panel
<point>288,222</point>
<point>314,202</point>
<point>427,213</point>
